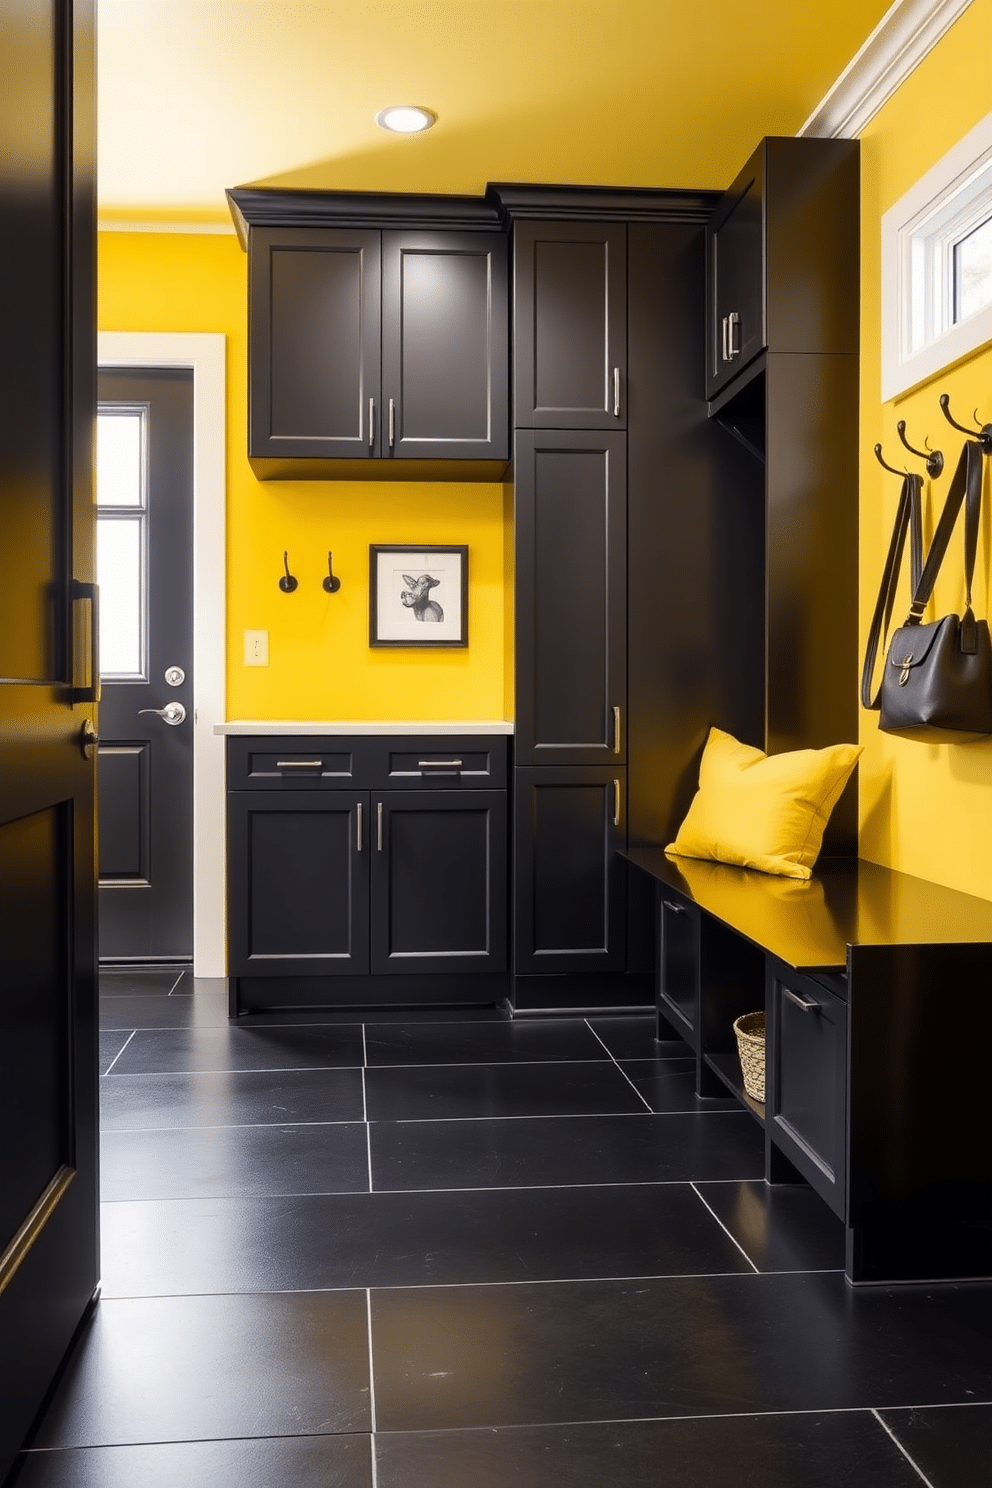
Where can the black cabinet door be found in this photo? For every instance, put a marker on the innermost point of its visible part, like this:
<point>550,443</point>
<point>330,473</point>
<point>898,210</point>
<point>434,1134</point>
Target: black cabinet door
<point>571,583</point>
<point>439,870</point>
<point>570,325</point>
<point>299,883</point>
<point>445,329</point>
<point>678,967</point>
<point>569,880</point>
<point>736,271</point>
<point>808,1088</point>
<point>314,354</point>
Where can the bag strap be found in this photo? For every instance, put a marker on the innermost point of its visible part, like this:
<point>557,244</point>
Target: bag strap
<point>908,519</point>
<point>966,486</point>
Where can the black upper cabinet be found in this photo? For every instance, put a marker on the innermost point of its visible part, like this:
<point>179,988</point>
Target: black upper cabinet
<point>444,346</point>
<point>571,587</point>
<point>315,342</point>
<point>378,345</point>
<point>570,325</point>
<point>783,257</point>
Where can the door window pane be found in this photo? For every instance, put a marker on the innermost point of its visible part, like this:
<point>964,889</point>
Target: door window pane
<point>120,456</point>
<point>119,574</point>
<point>973,271</point>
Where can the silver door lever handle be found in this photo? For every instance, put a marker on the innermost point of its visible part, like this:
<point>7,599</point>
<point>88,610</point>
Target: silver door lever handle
<point>173,713</point>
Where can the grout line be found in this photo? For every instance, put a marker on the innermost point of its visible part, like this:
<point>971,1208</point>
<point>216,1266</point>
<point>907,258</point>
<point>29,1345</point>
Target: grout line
<point>368,1312</point>
<point>731,1237</point>
<point>120,1051</point>
<point>563,1116</point>
<point>374,1464</point>
<point>176,983</point>
<point>499,1189</point>
<point>617,1065</point>
<point>210,1126</point>
<point>914,1465</point>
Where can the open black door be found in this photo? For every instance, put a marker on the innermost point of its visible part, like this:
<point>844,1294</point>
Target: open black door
<point>49,1253</point>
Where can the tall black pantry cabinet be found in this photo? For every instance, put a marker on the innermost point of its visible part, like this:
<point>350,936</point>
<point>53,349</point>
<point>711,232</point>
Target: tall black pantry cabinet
<point>610,425</point>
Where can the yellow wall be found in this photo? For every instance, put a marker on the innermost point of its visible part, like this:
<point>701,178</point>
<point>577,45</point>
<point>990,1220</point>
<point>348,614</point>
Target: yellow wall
<point>320,662</point>
<point>925,808</point>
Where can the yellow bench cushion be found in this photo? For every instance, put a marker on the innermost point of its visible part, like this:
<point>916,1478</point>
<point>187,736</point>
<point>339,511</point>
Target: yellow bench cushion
<point>763,811</point>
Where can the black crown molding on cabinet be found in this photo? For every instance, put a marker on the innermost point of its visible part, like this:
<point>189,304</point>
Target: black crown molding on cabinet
<point>502,204</point>
<point>257,207</point>
<point>518,201</point>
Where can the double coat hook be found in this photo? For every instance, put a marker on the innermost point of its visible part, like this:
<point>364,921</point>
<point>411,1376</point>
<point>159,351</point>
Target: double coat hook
<point>287,583</point>
<point>984,434</point>
<point>933,458</point>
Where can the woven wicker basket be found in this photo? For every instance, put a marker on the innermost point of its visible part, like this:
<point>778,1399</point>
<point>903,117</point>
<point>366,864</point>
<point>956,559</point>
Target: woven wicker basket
<point>750,1031</point>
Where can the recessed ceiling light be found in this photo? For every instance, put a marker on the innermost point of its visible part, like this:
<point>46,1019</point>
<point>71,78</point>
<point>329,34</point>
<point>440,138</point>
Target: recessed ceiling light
<point>405,118</point>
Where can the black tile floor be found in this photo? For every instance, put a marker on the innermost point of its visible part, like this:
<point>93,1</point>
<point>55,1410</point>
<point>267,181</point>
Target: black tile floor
<point>436,1253</point>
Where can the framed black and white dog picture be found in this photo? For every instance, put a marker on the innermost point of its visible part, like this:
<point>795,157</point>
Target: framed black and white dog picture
<point>418,596</point>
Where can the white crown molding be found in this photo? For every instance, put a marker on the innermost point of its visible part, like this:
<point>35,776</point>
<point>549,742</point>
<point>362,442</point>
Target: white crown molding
<point>907,32</point>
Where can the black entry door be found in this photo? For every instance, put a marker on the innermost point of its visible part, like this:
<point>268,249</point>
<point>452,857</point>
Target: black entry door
<point>48,1065</point>
<point>145,562</point>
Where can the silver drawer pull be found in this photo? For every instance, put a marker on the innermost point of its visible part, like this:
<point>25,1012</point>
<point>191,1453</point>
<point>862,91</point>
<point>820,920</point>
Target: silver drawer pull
<point>616,392</point>
<point>807,1006</point>
<point>378,826</point>
<point>358,829</point>
<point>299,764</point>
<point>733,342</point>
<point>675,908</point>
<point>439,764</point>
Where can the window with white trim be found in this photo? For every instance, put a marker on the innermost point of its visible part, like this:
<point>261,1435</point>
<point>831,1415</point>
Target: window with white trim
<point>937,266</point>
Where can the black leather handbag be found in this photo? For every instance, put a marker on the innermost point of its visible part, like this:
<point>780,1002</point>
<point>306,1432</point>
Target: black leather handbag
<point>937,682</point>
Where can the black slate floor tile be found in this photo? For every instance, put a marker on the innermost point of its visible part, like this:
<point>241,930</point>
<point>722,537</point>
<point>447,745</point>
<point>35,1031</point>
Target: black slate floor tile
<point>952,1445</point>
<point>111,1045</point>
<point>470,1091</point>
<point>670,1085</point>
<point>267,1462</point>
<point>204,1010</point>
<point>197,1368</point>
<point>211,1162</point>
<point>230,1098</point>
<point>632,1037</point>
<point>608,1350</point>
<point>541,1040</point>
<point>785,1227</point>
<point>839,1450</point>
<point>566,1150</point>
<point>237,1048</point>
<point>416,1239</point>
<point>131,983</point>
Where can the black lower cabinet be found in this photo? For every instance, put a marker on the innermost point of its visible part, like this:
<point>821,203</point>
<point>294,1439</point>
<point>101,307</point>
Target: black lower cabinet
<point>808,1088</point>
<point>678,970</point>
<point>341,895</point>
<point>569,880</point>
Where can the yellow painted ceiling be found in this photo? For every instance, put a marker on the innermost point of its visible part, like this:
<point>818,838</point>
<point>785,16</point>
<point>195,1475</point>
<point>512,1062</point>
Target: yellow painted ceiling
<point>199,95</point>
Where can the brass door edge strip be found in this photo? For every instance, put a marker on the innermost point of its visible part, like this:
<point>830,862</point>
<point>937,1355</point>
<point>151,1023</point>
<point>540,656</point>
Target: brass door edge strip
<point>32,1227</point>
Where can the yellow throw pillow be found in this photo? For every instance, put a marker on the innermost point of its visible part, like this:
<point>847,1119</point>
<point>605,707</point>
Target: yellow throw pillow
<point>763,811</point>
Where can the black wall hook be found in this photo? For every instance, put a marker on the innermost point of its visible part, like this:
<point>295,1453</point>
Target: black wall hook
<point>332,583</point>
<point>891,468</point>
<point>934,458</point>
<point>287,583</point>
<point>984,435</point>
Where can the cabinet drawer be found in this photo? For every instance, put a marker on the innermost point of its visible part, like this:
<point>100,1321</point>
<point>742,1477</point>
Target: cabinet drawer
<point>473,762</point>
<point>808,1085</point>
<point>296,762</point>
<point>678,966</point>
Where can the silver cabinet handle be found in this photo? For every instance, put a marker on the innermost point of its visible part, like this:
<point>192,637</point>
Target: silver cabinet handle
<point>299,764</point>
<point>378,826</point>
<point>616,803</point>
<point>723,342</point>
<point>358,826</point>
<point>616,392</point>
<point>675,908</point>
<point>371,422</point>
<point>173,713</point>
<point>807,1005</point>
<point>392,423</point>
<point>617,732</point>
<point>733,324</point>
<point>439,764</point>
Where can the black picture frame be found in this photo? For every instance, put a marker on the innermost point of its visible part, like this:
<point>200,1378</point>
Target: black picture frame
<point>409,584</point>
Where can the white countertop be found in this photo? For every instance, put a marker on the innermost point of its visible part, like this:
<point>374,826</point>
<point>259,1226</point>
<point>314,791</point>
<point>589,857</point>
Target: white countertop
<point>315,726</point>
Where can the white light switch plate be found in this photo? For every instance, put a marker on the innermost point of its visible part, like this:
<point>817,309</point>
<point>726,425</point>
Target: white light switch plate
<point>256,648</point>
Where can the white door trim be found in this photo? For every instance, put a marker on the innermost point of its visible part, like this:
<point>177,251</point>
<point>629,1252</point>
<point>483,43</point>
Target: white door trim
<point>205,354</point>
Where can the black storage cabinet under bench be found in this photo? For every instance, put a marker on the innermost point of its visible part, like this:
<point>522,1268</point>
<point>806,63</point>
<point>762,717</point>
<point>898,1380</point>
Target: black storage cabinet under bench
<point>877,991</point>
